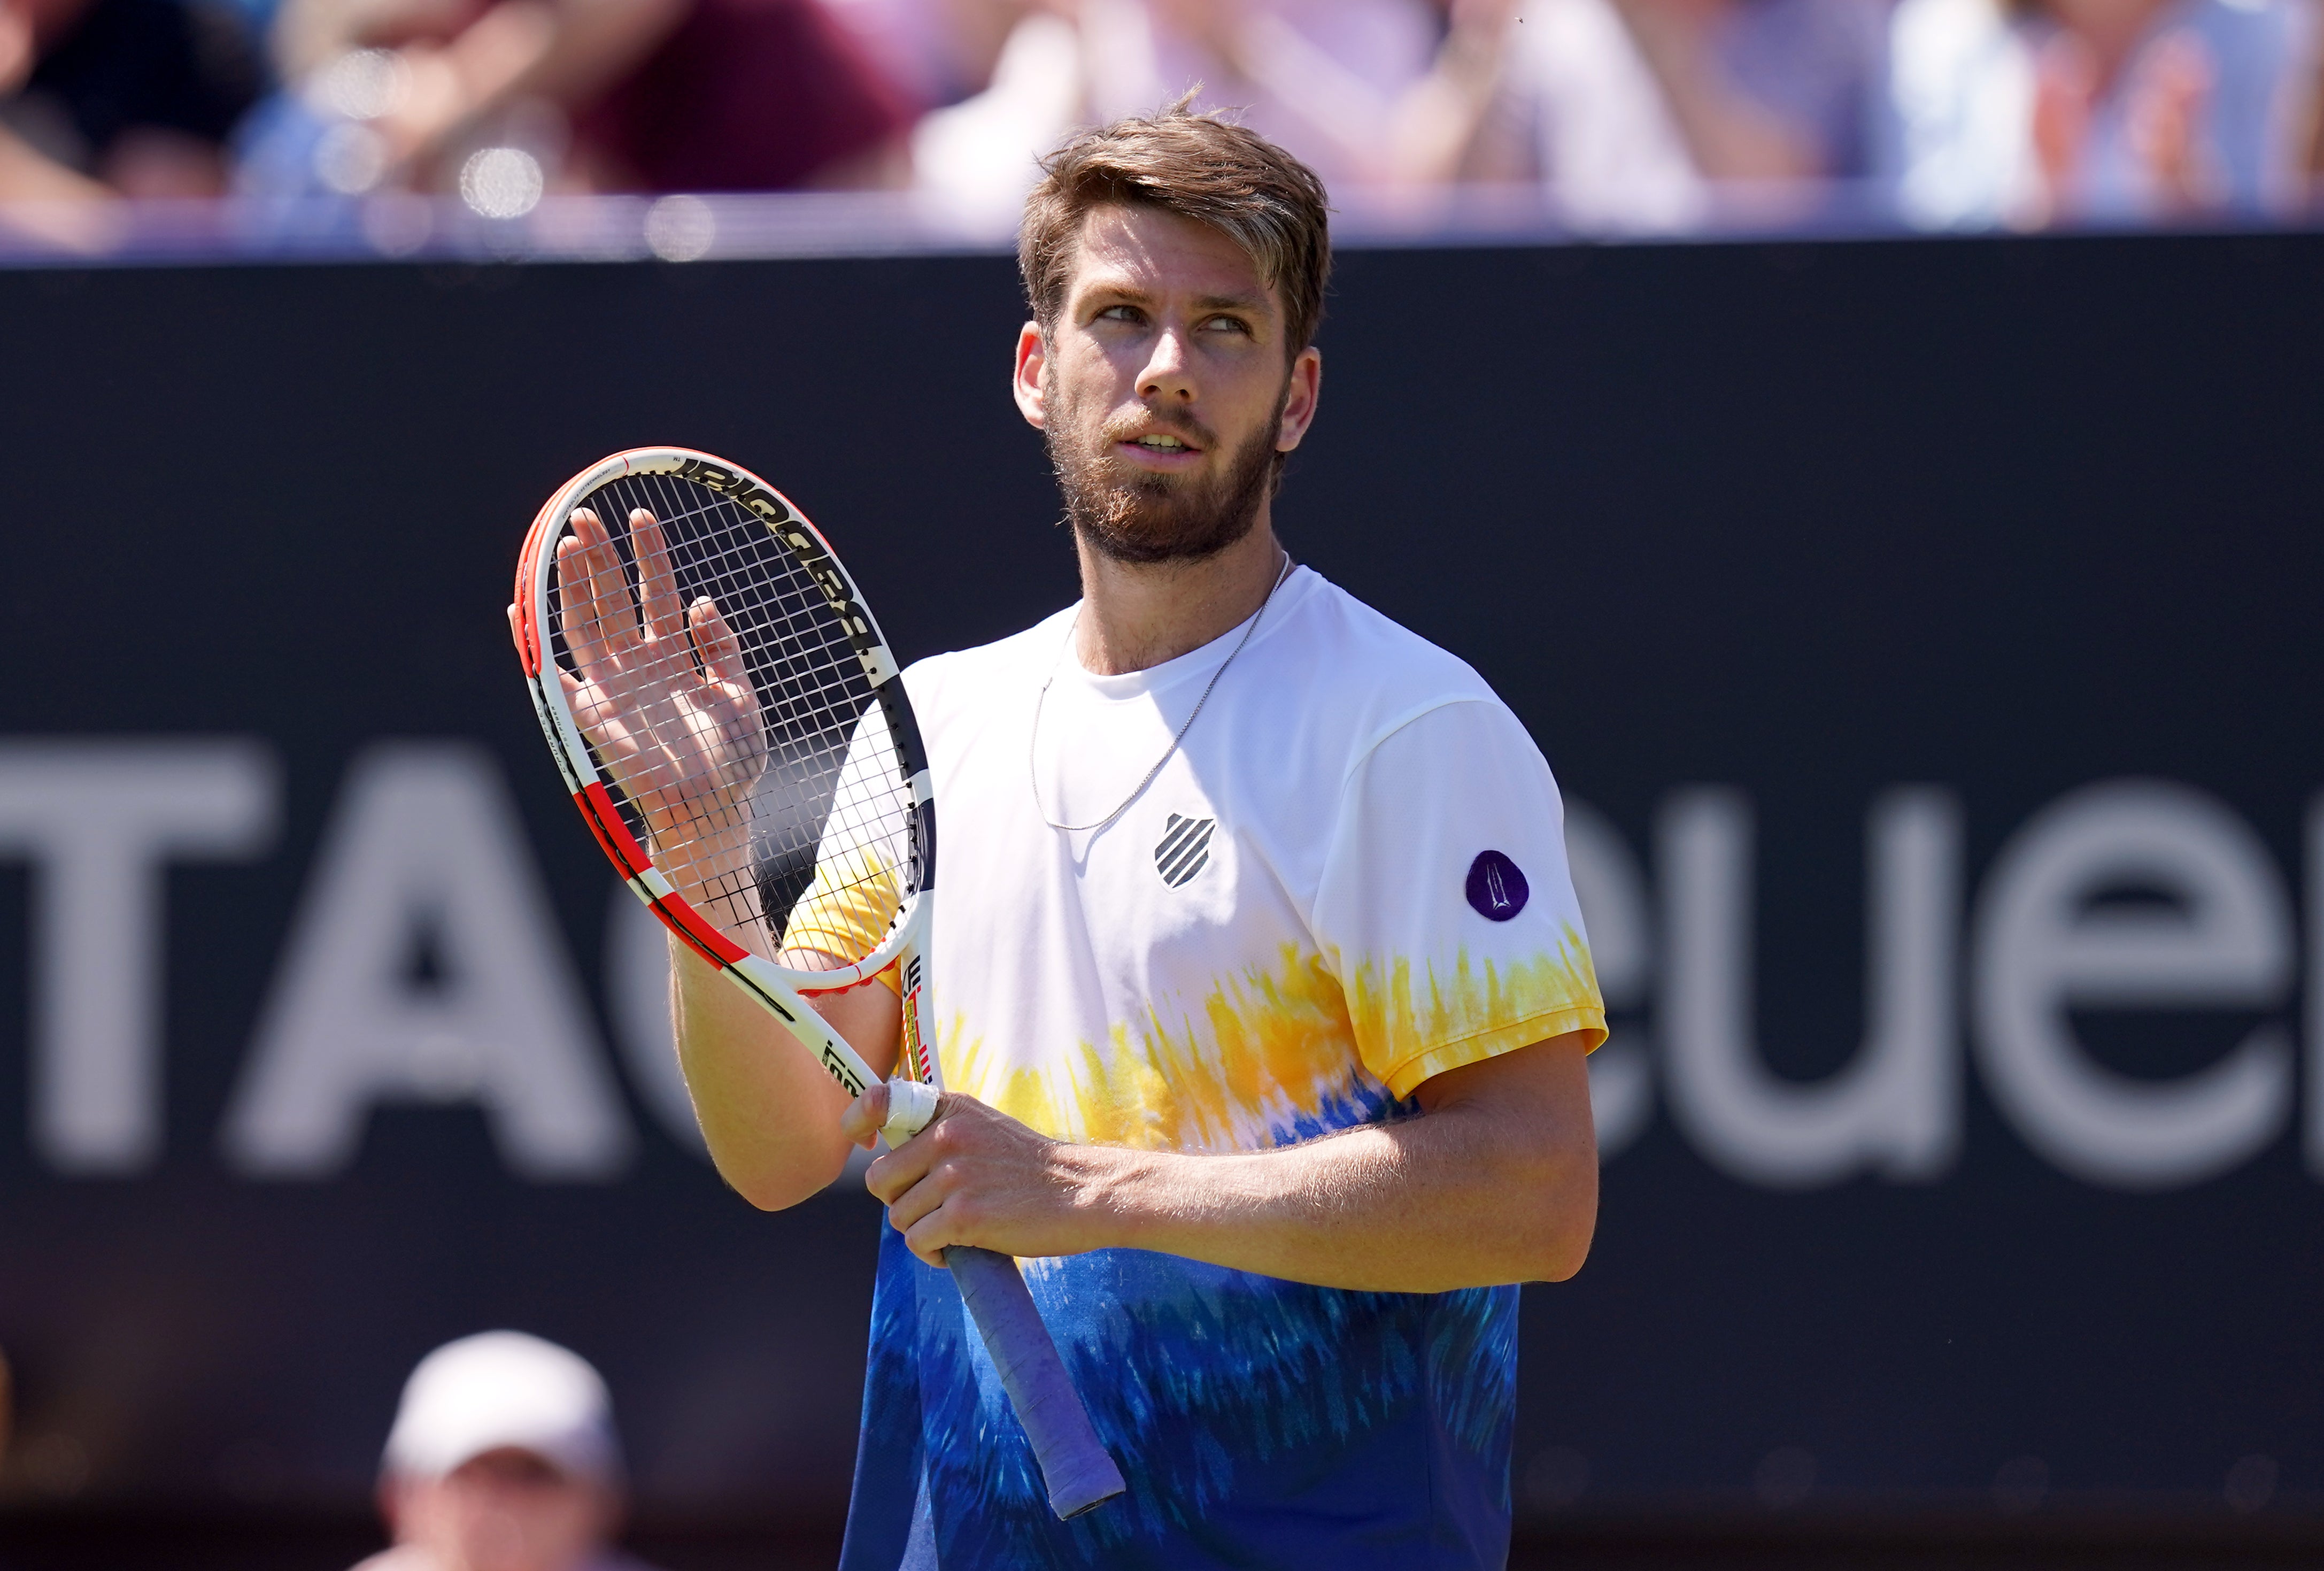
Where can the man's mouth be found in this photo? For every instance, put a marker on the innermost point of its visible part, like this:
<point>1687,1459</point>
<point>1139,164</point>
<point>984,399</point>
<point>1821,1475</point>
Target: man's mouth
<point>1157,442</point>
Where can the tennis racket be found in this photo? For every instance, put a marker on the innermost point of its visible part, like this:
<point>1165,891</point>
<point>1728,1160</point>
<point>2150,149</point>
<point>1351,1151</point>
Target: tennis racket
<point>733,728</point>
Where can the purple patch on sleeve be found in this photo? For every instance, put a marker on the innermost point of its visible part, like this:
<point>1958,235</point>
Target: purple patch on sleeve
<point>1496,888</point>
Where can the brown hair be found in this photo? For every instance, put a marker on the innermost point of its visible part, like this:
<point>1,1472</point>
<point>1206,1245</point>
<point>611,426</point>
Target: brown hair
<point>1199,167</point>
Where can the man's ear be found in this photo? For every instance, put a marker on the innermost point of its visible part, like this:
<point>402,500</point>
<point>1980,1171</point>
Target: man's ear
<point>1032,360</point>
<point>1300,398</point>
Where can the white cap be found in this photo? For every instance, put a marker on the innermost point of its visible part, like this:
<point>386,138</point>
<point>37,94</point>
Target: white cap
<point>504,1389</point>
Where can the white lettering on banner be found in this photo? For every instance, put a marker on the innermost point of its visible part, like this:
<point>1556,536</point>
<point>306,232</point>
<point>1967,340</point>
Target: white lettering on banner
<point>1896,1108</point>
<point>1612,892</point>
<point>424,855</point>
<point>2041,947</point>
<point>423,843</point>
<point>637,1003</point>
<point>98,819</point>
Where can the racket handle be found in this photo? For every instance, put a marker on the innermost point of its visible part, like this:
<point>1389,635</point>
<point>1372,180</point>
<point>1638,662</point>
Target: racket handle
<point>1080,1476</point>
<point>1073,1465</point>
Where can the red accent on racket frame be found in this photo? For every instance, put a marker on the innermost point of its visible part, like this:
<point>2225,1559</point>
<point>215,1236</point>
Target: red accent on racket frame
<point>589,817</point>
<point>687,924</point>
<point>527,633</point>
<point>614,835</point>
<point>622,848</point>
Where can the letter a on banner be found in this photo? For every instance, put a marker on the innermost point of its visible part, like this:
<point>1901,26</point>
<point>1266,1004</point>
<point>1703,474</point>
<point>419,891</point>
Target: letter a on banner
<point>424,845</point>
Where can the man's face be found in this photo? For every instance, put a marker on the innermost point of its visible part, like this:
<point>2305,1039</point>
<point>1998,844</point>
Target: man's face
<point>504,1510</point>
<point>1163,388</point>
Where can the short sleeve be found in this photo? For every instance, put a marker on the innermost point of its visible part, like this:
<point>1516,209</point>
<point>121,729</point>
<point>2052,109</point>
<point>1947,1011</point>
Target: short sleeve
<point>857,889</point>
<point>1445,903</point>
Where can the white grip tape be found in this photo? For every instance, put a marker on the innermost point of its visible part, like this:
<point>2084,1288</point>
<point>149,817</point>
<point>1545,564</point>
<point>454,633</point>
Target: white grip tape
<point>910,1104</point>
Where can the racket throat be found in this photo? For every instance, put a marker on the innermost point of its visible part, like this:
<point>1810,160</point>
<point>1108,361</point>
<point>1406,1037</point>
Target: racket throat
<point>919,1061</point>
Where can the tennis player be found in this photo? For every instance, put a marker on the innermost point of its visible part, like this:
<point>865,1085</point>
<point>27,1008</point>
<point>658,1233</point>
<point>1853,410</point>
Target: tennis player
<point>1259,980</point>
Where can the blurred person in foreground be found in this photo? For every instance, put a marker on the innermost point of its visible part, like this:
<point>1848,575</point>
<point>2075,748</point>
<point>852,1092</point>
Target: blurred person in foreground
<point>601,94</point>
<point>503,1458</point>
<point>103,98</point>
<point>2028,111</point>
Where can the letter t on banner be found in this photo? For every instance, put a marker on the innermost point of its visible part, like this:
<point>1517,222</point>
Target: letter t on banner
<point>98,819</point>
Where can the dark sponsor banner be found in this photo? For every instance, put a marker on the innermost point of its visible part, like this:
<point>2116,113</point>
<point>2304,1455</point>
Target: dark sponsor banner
<point>1923,635</point>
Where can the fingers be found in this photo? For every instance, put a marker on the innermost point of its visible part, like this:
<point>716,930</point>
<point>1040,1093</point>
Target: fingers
<point>657,583</point>
<point>916,1205</point>
<point>932,1217</point>
<point>930,1238</point>
<point>864,1116</point>
<point>722,651</point>
<point>598,620</point>
<point>893,1176</point>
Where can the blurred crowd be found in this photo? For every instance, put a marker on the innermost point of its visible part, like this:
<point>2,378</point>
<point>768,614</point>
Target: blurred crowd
<point>1621,114</point>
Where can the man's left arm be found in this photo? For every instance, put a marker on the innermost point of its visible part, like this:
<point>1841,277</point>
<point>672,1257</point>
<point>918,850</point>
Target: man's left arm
<point>1495,1181</point>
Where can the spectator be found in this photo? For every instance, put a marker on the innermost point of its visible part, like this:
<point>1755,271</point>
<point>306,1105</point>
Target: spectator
<point>937,51</point>
<point>1768,89</point>
<point>503,1458</point>
<point>2111,110</point>
<point>1630,109</point>
<point>606,95</point>
<point>1556,91</point>
<point>119,97</point>
<point>1322,78</point>
<point>976,157</point>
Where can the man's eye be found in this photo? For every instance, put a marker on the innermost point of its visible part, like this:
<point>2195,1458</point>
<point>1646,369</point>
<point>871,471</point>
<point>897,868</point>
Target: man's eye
<point>1119,314</point>
<point>1227,325</point>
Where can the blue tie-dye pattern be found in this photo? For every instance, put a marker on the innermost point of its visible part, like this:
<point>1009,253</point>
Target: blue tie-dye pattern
<point>1365,1101</point>
<point>1259,1422</point>
<point>887,1449</point>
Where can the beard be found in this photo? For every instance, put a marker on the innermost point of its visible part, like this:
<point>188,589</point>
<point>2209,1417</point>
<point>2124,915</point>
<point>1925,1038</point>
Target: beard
<point>1139,517</point>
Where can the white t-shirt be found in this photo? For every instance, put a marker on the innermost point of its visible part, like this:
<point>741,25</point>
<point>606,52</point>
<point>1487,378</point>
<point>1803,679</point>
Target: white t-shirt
<point>1350,877</point>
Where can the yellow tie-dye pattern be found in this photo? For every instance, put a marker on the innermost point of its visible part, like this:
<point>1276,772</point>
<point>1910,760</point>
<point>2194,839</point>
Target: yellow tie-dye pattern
<point>1278,1048</point>
<point>1468,1016</point>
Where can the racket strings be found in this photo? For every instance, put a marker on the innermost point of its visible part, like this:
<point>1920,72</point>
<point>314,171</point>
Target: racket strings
<point>779,797</point>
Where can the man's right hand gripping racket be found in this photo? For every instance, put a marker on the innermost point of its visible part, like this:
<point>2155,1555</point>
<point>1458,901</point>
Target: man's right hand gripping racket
<point>734,730</point>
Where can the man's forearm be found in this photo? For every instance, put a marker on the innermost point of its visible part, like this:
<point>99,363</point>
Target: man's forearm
<point>1441,1201</point>
<point>1496,1181</point>
<point>768,1110</point>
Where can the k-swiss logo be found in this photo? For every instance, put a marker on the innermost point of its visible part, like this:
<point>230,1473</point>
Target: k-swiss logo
<point>1185,847</point>
<point>1496,888</point>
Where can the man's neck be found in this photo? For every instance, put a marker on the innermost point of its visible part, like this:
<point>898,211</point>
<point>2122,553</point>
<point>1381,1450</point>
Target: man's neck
<point>1138,615</point>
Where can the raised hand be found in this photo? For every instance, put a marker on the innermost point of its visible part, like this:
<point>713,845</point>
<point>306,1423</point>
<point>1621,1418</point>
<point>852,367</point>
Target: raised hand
<point>675,719</point>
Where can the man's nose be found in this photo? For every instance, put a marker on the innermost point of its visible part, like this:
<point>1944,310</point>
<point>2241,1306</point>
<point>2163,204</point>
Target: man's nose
<point>1169,373</point>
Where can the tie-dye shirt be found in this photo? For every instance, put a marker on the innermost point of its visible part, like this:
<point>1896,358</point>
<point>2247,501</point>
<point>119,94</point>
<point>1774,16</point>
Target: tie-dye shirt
<point>1349,876</point>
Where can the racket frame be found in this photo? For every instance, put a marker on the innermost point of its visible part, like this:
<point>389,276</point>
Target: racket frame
<point>782,990</point>
<point>1079,1474</point>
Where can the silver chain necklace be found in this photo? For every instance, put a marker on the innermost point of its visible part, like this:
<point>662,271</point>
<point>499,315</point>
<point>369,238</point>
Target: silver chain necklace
<point>1032,747</point>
